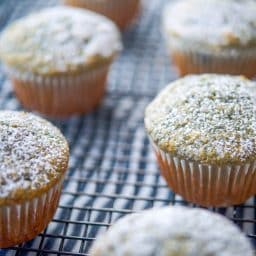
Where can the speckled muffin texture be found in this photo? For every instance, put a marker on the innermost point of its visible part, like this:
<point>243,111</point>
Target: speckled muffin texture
<point>203,130</point>
<point>173,231</point>
<point>122,12</point>
<point>224,43</point>
<point>33,161</point>
<point>60,55</point>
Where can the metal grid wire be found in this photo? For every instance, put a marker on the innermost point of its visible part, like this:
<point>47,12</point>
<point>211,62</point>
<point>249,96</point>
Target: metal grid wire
<point>112,169</point>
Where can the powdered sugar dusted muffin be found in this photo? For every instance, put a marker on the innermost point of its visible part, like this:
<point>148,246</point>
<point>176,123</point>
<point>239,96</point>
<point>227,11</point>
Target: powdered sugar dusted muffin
<point>173,231</point>
<point>122,12</point>
<point>33,160</point>
<point>59,58</point>
<point>223,43</point>
<point>203,130</point>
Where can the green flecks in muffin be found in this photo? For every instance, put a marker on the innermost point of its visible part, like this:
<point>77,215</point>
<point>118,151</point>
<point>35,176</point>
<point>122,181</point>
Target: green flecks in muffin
<point>32,153</point>
<point>207,118</point>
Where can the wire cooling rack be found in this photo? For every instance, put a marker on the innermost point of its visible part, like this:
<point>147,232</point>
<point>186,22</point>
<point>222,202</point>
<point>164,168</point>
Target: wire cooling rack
<point>112,169</point>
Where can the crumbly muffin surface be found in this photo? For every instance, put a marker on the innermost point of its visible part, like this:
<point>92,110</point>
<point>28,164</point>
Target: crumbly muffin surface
<point>58,40</point>
<point>206,118</point>
<point>33,156</point>
<point>173,231</point>
<point>212,24</point>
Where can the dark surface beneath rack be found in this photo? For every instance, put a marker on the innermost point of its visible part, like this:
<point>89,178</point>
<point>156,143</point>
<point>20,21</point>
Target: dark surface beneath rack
<point>112,170</point>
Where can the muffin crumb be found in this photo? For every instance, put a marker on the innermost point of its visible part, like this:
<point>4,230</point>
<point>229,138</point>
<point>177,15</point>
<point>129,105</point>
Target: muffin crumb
<point>172,231</point>
<point>207,118</point>
<point>33,154</point>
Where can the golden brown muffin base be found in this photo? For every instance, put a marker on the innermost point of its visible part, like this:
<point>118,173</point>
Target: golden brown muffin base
<point>199,64</point>
<point>63,95</point>
<point>208,185</point>
<point>22,222</point>
<point>122,12</point>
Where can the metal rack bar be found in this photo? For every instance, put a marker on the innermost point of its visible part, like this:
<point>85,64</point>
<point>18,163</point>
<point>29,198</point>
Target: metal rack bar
<point>112,171</point>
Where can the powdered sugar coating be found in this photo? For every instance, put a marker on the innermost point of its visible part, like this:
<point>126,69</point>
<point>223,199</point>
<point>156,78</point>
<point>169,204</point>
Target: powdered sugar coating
<point>206,118</point>
<point>33,155</point>
<point>211,24</point>
<point>173,231</point>
<point>58,40</point>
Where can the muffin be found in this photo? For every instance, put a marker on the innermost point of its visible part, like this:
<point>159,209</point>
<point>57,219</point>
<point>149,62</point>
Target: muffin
<point>173,231</point>
<point>203,130</point>
<point>33,160</point>
<point>212,36</point>
<point>58,59</point>
<point>122,12</point>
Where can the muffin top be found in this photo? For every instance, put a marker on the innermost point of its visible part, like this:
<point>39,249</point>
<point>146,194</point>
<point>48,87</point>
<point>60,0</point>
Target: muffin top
<point>33,156</point>
<point>205,118</point>
<point>212,24</point>
<point>173,231</point>
<point>59,40</point>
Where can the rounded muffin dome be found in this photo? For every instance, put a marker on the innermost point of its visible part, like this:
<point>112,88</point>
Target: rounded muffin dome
<point>58,40</point>
<point>173,231</point>
<point>212,24</point>
<point>33,156</point>
<point>205,118</point>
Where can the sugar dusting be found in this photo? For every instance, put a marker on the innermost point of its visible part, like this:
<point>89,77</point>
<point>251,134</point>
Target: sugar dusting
<point>173,231</point>
<point>59,39</point>
<point>207,118</point>
<point>32,152</point>
<point>212,23</point>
